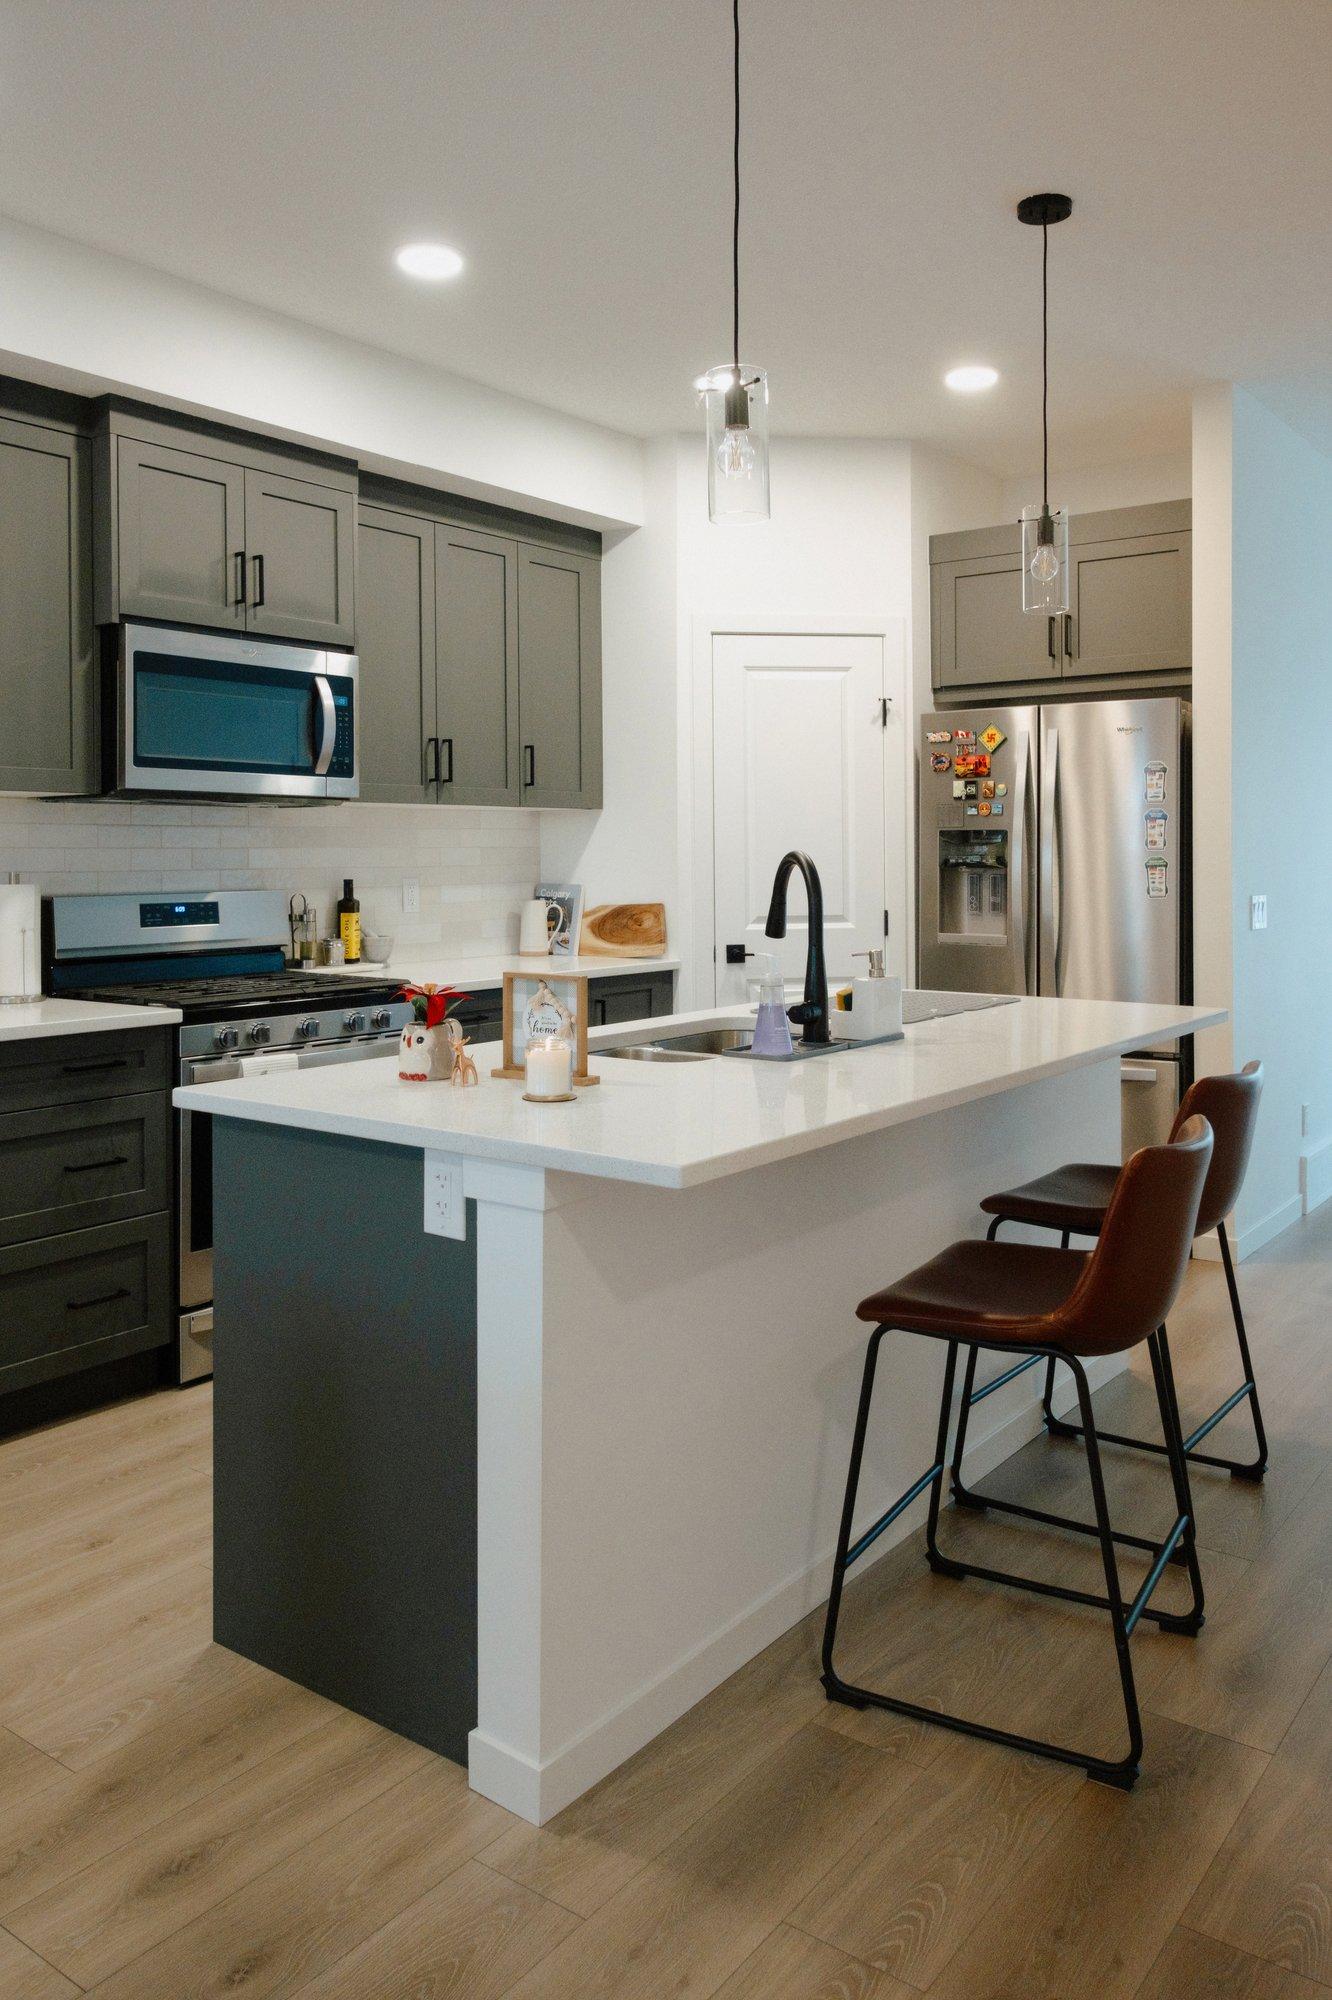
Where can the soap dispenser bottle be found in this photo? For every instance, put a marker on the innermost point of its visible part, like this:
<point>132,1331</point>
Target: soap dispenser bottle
<point>876,1003</point>
<point>772,1029</point>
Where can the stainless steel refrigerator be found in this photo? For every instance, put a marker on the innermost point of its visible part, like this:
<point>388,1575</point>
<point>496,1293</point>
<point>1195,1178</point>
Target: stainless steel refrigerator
<point>1054,855</point>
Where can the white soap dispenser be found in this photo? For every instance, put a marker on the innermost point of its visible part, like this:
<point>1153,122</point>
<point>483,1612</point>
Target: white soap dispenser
<point>876,1004</point>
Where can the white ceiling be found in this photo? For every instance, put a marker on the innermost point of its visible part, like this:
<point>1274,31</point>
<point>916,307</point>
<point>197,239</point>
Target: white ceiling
<point>577,152</point>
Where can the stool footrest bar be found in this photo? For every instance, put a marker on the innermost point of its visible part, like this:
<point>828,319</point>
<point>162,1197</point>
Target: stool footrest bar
<point>1138,1608</point>
<point>1009,1375</point>
<point>1171,1621</point>
<point>859,1547</point>
<point>969,1497</point>
<point>1210,1423</point>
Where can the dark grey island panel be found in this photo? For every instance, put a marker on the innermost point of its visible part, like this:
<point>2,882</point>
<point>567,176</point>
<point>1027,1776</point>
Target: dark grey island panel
<point>345,1429</point>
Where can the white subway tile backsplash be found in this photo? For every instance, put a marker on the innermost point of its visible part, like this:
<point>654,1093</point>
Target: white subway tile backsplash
<point>475,866</point>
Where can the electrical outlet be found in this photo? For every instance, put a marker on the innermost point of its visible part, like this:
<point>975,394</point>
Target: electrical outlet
<point>445,1209</point>
<point>411,897</point>
<point>1257,913</point>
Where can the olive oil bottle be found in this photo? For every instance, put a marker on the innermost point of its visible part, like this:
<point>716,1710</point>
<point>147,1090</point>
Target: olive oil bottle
<point>349,924</point>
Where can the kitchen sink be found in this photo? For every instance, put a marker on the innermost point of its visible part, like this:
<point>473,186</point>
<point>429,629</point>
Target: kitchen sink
<point>649,1052</point>
<point>701,1044</point>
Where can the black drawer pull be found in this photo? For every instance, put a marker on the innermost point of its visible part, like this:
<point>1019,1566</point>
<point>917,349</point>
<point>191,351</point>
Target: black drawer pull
<point>446,743</point>
<point>239,560</point>
<point>102,1299</point>
<point>86,1069</point>
<point>529,750</point>
<point>260,597</point>
<point>94,1166</point>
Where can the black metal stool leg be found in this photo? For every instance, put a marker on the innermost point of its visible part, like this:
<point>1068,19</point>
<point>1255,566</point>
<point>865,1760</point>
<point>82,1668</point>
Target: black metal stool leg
<point>1159,1350</point>
<point>1258,1467</point>
<point>1122,1621</point>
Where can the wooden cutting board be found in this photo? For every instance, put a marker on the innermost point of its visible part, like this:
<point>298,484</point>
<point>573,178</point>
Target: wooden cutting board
<point>624,930</point>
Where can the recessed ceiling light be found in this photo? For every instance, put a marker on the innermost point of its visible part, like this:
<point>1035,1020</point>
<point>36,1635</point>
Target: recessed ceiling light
<point>433,261</point>
<point>967,380</point>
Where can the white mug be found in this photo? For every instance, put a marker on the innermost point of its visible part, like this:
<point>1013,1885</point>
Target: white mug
<point>533,929</point>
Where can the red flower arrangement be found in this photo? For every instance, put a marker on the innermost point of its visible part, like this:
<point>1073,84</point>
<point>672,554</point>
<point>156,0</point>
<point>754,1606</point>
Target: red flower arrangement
<point>431,1003</point>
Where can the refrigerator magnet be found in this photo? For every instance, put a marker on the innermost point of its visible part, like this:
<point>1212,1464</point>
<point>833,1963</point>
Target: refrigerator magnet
<point>959,789</point>
<point>938,735</point>
<point>970,788</point>
<point>985,808</point>
<point>992,738</point>
<point>972,811</point>
<point>1158,878</point>
<point>1154,831</point>
<point>998,808</point>
<point>964,736</point>
<point>1000,789</point>
<point>941,764</point>
<point>1154,784</point>
<point>987,788</point>
<point>981,763</point>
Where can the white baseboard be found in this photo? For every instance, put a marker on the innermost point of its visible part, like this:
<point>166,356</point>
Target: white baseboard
<point>1316,1177</point>
<point>537,1792</point>
<point>1243,1242</point>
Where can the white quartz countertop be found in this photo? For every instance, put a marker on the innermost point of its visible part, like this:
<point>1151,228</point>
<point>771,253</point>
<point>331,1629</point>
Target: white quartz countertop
<point>678,1124</point>
<point>37,1018</point>
<point>433,967</point>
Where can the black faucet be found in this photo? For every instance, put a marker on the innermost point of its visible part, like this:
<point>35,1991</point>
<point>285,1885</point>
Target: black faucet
<point>812,1013</point>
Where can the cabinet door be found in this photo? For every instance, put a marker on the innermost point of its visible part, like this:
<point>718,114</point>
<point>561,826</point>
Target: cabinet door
<point>301,541</point>
<point>1130,606</point>
<point>395,628</point>
<point>47,696</point>
<point>476,649</point>
<point>982,635</point>
<point>559,671</point>
<point>180,535</point>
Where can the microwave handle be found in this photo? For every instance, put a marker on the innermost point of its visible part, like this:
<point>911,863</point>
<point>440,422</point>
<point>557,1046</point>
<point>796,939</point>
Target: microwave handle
<point>327,726</point>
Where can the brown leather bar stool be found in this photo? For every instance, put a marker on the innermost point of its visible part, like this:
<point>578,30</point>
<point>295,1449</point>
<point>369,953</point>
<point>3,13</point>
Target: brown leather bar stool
<point>1073,1200</point>
<point>1017,1298</point>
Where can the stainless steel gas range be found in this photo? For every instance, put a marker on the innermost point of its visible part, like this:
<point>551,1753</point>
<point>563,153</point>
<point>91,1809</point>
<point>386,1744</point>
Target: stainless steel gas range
<point>218,956</point>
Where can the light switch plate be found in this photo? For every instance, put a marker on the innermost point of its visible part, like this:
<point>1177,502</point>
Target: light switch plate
<point>1257,913</point>
<point>411,897</point>
<point>445,1209</point>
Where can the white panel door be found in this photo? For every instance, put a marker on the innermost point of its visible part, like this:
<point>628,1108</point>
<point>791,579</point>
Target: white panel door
<point>798,735</point>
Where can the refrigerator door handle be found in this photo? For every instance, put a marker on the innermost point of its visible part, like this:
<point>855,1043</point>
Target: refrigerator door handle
<point>1020,873</point>
<point>1049,983</point>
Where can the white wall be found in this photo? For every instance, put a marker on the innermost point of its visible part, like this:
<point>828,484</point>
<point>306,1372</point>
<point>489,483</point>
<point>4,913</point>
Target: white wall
<point>1282,718</point>
<point>1087,489</point>
<point>87,321</point>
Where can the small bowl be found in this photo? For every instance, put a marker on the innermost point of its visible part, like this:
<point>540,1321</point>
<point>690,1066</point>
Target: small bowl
<point>377,946</point>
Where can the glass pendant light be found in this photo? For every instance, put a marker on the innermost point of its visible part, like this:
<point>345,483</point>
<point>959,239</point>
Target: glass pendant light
<point>735,396</point>
<point>1045,531</point>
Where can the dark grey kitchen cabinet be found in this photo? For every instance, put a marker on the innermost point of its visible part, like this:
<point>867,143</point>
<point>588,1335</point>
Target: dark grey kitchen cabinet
<point>559,652</point>
<point>180,530</point>
<point>1130,605</point>
<point>395,644</point>
<point>1130,599</point>
<point>981,632</point>
<point>630,999</point>
<point>300,542</point>
<point>203,527</point>
<point>47,688</point>
<point>476,646</point>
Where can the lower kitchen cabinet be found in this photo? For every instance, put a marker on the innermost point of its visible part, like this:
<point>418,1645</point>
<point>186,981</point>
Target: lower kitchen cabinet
<point>85,1226</point>
<point>47,691</point>
<point>621,997</point>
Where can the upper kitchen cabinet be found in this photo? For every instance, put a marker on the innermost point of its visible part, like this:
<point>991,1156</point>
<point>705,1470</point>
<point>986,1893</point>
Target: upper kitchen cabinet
<point>206,528</point>
<point>1130,600</point>
<point>559,650</point>
<point>399,740</point>
<point>476,624</point>
<point>47,692</point>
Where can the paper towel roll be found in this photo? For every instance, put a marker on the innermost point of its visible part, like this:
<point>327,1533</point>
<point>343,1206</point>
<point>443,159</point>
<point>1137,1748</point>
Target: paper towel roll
<point>20,942</point>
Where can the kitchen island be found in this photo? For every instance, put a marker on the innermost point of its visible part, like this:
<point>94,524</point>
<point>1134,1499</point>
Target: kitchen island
<point>532,1420</point>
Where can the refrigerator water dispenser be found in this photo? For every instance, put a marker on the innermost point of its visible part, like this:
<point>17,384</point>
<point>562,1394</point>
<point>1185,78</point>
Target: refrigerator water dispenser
<point>973,885</point>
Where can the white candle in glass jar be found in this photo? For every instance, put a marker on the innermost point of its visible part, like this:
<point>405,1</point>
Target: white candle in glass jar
<point>549,1067</point>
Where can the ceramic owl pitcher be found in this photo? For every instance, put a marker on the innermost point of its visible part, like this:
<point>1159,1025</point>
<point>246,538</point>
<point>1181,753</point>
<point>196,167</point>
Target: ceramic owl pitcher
<point>425,1050</point>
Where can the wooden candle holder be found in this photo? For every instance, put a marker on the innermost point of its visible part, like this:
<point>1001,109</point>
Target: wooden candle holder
<point>513,1068</point>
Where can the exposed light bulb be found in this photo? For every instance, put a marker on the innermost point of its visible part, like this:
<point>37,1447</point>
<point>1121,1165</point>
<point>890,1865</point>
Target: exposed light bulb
<point>1045,563</point>
<point>736,456</point>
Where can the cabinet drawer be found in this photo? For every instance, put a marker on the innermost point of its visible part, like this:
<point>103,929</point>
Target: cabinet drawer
<point>71,1166</point>
<point>93,1295</point>
<point>73,1069</point>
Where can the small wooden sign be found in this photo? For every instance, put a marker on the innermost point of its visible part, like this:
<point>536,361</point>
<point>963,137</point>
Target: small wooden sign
<point>563,985</point>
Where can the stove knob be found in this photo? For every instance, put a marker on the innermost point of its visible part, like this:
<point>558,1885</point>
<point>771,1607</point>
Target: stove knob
<point>226,1038</point>
<point>353,1024</point>
<point>261,1032</point>
<point>308,1027</point>
<point>381,1018</point>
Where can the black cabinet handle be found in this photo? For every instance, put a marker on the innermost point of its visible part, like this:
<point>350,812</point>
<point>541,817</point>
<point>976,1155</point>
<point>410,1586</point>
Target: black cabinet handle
<point>529,751</point>
<point>446,743</point>
<point>1050,638</point>
<point>1069,647</point>
<point>102,1299</point>
<point>432,760</point>
<point>87,1068</point>
<point>239,560</point>
<point>258,598</point>
<point>93,1166</point>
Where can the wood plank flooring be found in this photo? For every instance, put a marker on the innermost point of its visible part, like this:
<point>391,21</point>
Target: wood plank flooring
<point>178,1824</point>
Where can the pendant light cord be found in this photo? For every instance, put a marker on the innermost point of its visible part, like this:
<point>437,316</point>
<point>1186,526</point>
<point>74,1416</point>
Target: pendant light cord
<point>1045,367</point>
<point>735,225</point>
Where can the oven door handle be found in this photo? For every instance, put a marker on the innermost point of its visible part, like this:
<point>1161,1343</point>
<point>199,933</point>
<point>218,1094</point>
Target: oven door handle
<point>328,724</point>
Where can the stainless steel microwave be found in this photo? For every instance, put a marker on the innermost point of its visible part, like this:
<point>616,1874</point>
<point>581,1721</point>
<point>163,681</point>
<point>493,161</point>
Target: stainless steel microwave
<point>215,716</point>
